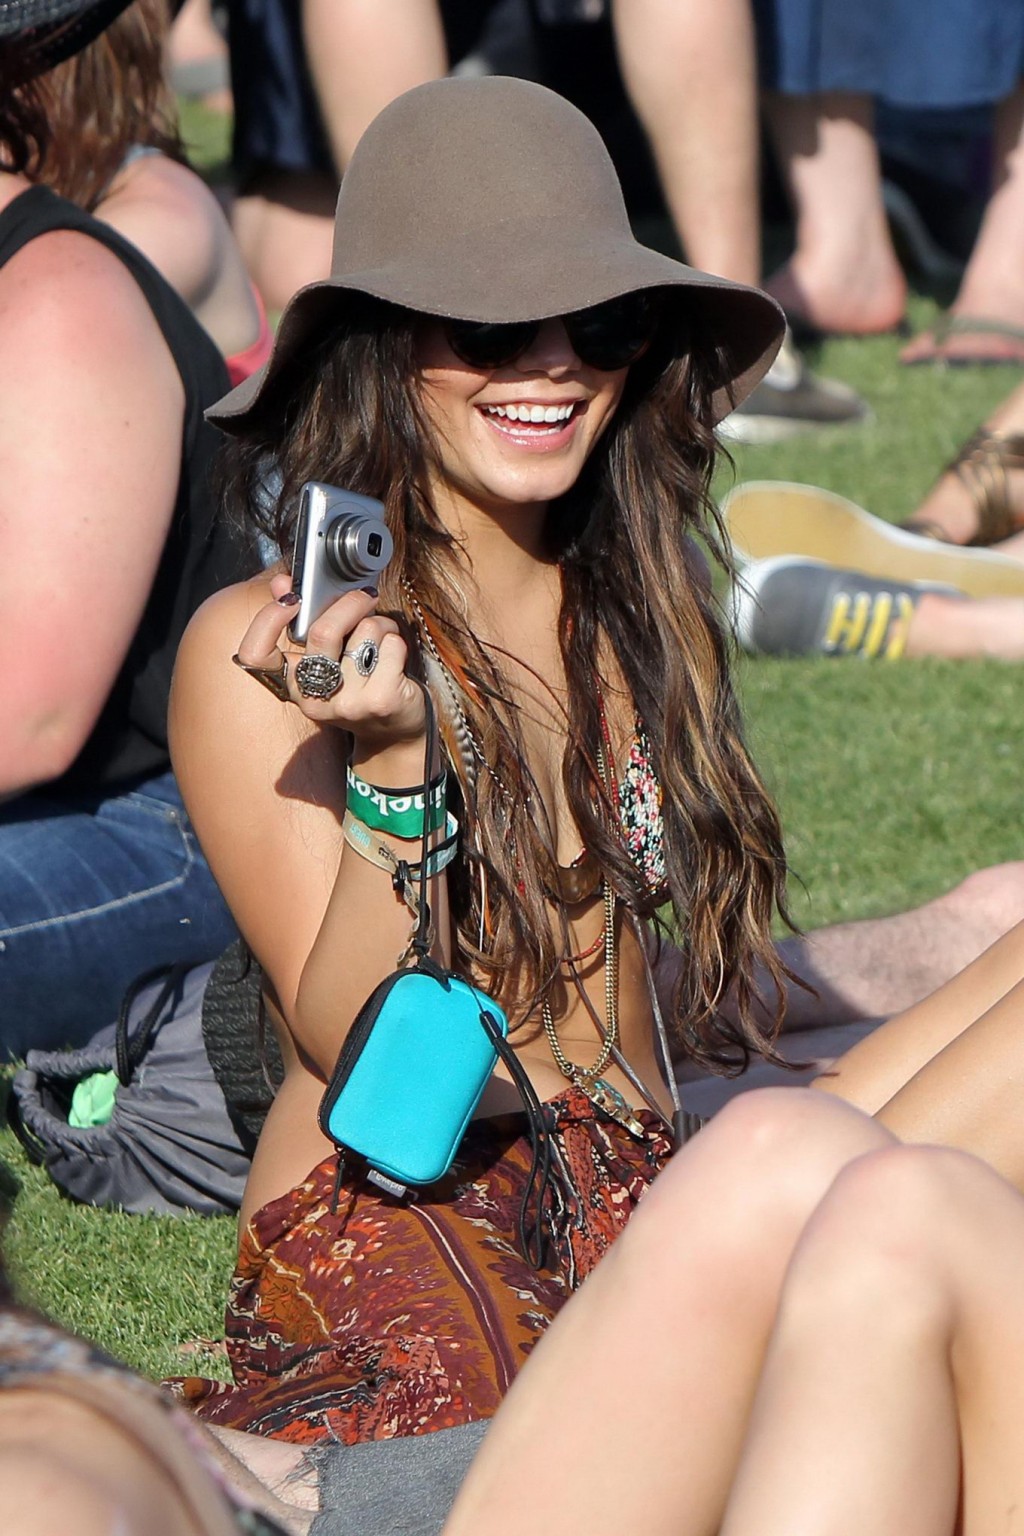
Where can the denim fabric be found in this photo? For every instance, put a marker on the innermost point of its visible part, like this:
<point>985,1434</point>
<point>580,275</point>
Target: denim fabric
<point>945,53</point>
<point>93,892</point>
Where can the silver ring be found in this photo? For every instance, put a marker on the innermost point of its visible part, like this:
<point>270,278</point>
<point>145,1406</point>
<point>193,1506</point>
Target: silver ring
<point>318,677</point>
<point>365,657</point>
<point>274,678</point>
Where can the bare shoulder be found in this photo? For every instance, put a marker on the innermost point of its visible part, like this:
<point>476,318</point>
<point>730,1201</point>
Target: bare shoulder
<point>169,212</point>
<point>65,293</point>
<point>209,689</point>
<point>220,615</point>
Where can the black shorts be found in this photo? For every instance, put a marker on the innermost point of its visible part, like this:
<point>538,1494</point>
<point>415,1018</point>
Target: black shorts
<point>277,119</point>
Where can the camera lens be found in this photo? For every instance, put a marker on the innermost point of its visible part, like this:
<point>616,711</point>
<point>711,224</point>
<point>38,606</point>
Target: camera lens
<point>356,547</point>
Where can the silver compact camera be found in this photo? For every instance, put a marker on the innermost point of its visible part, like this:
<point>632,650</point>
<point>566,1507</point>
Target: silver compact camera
<point>341,542</point>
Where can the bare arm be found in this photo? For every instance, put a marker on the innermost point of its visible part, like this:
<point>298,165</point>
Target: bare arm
<point>90,449</point>
<point>264,782</point>
<point>364,53</point>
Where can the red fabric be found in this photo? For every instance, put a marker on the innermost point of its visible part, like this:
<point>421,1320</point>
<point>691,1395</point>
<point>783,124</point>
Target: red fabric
<point>241,364</point>
<point>379,1317</point>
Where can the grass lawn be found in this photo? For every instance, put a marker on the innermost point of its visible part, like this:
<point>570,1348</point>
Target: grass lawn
<point>894,781</point>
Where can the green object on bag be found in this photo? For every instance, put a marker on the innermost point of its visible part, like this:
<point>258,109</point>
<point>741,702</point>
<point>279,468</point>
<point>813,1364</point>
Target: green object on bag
<point>92,1102</point>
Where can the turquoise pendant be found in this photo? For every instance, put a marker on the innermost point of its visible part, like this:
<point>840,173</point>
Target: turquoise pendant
<point>611,1103</point>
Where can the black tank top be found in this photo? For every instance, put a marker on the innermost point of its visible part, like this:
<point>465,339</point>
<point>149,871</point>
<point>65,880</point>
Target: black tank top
<point>202,552</point>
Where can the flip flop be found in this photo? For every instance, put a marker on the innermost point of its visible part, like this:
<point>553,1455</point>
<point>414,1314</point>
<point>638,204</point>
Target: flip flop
<point>950,326</point>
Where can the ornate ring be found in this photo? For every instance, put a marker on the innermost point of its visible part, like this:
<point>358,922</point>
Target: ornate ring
<point>275,679</point>
<point>365,657</point>
<point>318,677</point>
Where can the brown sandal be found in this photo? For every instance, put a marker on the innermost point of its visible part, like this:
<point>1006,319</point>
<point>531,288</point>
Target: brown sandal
<point>983,466</point>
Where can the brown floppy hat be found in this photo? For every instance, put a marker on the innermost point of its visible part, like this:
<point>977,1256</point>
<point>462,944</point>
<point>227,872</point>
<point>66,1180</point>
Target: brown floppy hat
<point>494,199</point>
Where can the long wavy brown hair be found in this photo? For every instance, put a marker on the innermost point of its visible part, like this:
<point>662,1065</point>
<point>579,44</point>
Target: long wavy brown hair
<point>346,411</point>
<point>71,128</point>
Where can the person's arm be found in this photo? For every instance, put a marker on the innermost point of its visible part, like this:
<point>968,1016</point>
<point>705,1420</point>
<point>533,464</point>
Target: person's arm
<point>364,53</point>
<point>264,782</point>
<point>90,452</point>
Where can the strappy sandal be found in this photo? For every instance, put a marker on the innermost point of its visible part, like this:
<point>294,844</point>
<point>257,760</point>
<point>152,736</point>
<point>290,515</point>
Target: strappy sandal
<point>983,467</point>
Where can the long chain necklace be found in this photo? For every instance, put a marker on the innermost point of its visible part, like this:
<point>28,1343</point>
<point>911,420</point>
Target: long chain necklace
<point>602,1094</point>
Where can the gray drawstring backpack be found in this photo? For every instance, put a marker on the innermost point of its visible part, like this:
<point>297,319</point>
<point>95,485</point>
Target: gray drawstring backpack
<point>190,1087</point>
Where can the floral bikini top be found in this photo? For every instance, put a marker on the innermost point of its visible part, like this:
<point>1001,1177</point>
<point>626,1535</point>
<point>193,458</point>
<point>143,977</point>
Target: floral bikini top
<point>640,800</point>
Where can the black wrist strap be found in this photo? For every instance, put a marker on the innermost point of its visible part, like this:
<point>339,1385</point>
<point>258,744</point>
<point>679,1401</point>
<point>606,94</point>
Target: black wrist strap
<point>420,945</point>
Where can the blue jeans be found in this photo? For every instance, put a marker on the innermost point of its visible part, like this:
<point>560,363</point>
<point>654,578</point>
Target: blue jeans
<point>92,893</point>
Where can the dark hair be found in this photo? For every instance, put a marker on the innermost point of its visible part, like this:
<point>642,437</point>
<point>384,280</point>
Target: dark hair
<point>71,128</point>
<point>347,411</point>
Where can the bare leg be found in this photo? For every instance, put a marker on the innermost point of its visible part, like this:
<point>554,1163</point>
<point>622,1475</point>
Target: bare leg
<point>949,506</point>
<point>992,287</point>
<point>284,225</point>
<point>960,628</point>
<point>898,1349</point>
<point>364,53</point>
<point>689,68</point>
<point>843,275</point>
<point>644,1382</point>
<point>951,1069</point>
<point>878,966</point>
<point>199,56</point>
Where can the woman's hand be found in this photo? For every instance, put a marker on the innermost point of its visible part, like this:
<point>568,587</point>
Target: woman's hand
<point>384,711</point>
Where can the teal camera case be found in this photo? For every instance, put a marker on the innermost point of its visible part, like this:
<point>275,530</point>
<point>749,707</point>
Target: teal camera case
<point>411,1073</point>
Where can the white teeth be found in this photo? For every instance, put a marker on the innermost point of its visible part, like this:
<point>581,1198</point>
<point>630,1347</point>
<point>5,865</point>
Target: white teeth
<point>532,413</point>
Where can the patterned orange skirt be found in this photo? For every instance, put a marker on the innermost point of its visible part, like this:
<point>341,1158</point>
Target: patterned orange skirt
<point>355,1316</point>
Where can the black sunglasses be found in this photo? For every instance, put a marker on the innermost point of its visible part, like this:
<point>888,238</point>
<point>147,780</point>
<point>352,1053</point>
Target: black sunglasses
<point>607,336</point>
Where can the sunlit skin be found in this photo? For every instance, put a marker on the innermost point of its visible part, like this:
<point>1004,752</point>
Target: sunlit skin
<point>498,470</point>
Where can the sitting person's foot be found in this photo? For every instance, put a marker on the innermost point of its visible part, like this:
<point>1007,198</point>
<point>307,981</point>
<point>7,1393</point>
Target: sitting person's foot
<point>984,327</point>
<point>868,298</point>
<point>979,497</point>
<point>789,606</point>
<point>965,340</point>
<point>790,400</point>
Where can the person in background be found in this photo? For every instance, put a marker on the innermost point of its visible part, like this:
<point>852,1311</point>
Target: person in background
<point>113,148</point>
<point>110,541</point>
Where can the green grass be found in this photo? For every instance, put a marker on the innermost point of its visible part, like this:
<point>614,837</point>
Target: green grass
<point>893,781</point>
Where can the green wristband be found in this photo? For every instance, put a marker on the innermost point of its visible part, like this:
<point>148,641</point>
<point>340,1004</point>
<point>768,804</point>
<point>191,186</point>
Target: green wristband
<point>397,811</point>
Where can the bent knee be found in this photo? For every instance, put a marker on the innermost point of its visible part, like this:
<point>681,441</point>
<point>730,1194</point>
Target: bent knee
<point>791,1135</point>
<point>878,1243</point>
<point>755,1173</point>
<point>994,895</point>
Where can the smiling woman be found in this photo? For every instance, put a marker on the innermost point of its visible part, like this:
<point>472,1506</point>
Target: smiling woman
<point>532,395</point>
